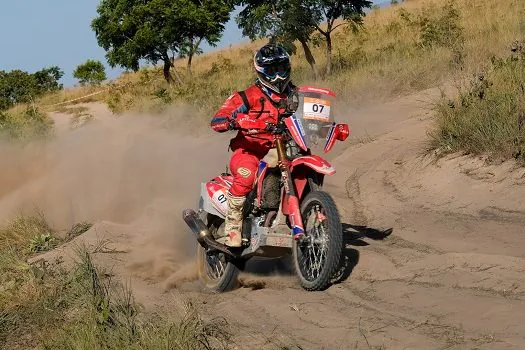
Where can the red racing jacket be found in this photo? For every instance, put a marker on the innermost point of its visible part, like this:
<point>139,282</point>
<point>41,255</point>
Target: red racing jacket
<point>261,108</point>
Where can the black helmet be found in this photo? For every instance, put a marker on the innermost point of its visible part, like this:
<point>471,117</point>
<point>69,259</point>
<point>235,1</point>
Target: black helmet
<point>272,64</point>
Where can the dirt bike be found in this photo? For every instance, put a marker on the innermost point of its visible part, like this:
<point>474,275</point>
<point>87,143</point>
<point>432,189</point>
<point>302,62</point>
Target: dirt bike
<point>287,211</point>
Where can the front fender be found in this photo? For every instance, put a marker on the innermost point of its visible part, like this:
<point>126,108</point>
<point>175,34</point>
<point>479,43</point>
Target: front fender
<point>315,163</point>
<point>300,170</point>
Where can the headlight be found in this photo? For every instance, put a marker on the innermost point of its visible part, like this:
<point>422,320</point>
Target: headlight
<point>292,150</point>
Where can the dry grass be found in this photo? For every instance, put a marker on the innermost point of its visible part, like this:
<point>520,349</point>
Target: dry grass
<point>24,123</point>
<point>389,58</point>
<point>54,101</point>
<point>402,49</point>
<point>384,60</point>
<point>45,305</point>
<point>488,117</point>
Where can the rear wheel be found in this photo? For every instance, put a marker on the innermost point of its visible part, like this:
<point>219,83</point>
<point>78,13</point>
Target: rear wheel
<point>316,257</point>
<point>216,271</point>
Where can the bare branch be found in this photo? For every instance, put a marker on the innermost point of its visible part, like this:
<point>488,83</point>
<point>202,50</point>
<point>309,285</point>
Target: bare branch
<point>337,26</point>
<point>320,30</point>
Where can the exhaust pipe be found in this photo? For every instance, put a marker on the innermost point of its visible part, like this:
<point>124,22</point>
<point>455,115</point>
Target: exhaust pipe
<point>196,225</point>
<point>202,233</point>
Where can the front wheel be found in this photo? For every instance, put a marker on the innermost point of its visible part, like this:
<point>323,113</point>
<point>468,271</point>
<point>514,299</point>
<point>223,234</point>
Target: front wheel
<point>316,257</point>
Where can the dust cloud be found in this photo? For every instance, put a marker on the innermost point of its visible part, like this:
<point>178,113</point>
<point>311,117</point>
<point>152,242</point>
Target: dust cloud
<point>130,171</point>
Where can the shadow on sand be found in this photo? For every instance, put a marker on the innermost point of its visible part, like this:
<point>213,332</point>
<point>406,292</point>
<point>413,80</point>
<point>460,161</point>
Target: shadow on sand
<point>353,236</point>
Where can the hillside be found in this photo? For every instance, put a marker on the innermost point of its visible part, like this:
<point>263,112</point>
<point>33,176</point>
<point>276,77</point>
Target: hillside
<point>402,49</point>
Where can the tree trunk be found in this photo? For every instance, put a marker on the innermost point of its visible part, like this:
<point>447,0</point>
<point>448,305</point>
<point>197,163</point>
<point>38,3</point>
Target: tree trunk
<point>194,49</point>
<point>190,58</point>
<point>166,70</point>
<point>328,54</point>
<point>309,57</point>
<point>168,63</point>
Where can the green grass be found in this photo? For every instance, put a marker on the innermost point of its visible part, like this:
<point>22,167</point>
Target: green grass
<point>113,320</point>
<point>48,306</point>
<point>488,117</point>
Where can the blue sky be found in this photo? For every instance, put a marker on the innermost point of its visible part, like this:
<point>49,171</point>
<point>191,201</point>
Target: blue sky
<point>35,34</point>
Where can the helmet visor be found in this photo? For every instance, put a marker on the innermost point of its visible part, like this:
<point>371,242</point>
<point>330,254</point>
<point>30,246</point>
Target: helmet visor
<point>281,69</point>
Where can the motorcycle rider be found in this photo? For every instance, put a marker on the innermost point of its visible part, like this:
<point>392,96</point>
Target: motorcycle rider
<point>251,109</point>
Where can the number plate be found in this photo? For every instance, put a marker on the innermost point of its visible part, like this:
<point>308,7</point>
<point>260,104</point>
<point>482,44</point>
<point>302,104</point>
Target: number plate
<point>220,200</point>
<point>316,109</point>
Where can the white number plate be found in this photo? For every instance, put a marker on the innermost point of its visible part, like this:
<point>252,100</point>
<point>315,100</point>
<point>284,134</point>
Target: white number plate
<point>220,200</point>
<point>316,109</point>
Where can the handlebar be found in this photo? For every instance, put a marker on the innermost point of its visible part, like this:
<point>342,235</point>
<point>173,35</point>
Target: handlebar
<point>270,128</point>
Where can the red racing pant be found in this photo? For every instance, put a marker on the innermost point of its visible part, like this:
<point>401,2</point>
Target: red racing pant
<point>244,165</point>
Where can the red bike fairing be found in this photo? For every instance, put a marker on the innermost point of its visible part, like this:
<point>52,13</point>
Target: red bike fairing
<point>217,189</point>
<point>299,168</point>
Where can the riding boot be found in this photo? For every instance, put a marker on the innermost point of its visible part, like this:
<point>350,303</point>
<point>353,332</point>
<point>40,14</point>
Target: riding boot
<point>233,224</point>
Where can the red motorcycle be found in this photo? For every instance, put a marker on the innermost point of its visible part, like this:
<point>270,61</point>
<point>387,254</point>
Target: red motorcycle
<point>287,211</point>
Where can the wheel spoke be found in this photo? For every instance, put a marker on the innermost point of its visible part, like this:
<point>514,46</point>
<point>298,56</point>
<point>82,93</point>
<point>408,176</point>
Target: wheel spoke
<point>313,253</point>
<point>215,266</point>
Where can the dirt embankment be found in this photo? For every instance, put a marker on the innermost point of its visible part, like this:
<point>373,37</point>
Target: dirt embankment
<point>435,250</point>
<point>130,176</point>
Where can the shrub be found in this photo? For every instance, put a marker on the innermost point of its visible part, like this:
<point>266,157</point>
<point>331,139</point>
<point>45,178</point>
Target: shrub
<point>90,73</point>
<point>444,29</point>
<point>488,117</point>
<point>18,86</point>
<point>46,305</point>
<point>25,123</point>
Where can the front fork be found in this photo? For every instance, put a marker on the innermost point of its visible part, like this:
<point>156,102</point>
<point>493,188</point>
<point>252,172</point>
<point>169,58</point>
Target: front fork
<point>296,220</point>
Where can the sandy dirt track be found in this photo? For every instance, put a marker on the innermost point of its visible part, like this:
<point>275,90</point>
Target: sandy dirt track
<point>435,250</point>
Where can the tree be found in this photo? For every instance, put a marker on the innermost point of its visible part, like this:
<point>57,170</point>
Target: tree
<point>91,72</point>
<point>283,21</point>
<point>351,11</point>
<point>289,20</point>
<point>189,50</point>
<point>46,80</point>
<point>156,30</point>
<point>18,86</point>
<point>208,23</point>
